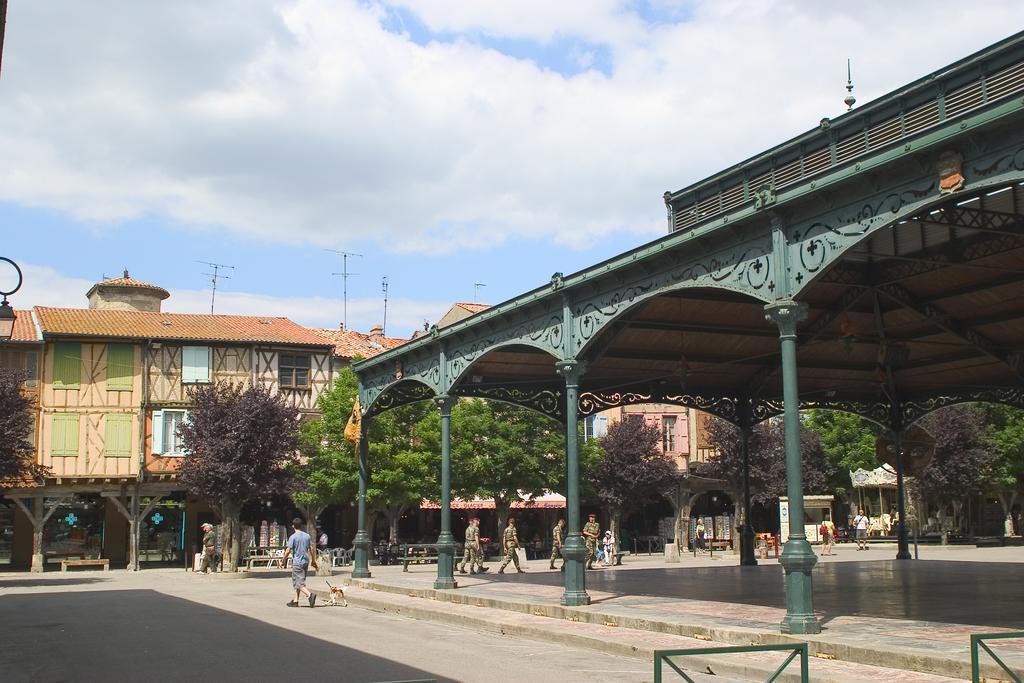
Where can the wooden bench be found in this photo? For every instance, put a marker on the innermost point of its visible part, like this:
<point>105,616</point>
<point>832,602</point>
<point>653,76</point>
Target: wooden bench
<point>619,555</point>
<point>719,544</point>
<point>97,562</point>
<point>422,553</point>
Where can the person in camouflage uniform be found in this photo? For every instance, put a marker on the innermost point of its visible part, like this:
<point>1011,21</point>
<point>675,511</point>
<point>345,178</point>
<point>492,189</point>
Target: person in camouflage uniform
<point>473,556</point>
<point>557,539</point>
<point>510,542</point>
<point>591,530</point>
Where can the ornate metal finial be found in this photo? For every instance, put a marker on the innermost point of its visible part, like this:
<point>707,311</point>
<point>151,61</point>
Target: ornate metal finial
<point>850,99</point>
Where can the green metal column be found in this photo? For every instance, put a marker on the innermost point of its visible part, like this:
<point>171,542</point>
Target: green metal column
<point>446,542</point>
<point>903,550</point>
<point>574,550</point>
<point>747,558</point>
<point>361,543</point>
<point>797,557</point>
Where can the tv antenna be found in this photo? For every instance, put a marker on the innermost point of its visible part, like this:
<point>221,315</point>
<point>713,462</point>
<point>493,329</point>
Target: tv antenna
<point>476,290</point>
<point>344,280</point>
<point>214,276</point>
<point>850,99</point>
<point>384,288</point>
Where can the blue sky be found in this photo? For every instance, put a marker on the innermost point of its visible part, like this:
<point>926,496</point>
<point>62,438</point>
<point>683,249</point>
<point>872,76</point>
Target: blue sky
<point>449,143</point>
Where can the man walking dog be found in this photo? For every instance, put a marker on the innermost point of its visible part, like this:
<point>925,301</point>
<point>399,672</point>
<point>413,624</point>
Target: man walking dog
<point>299,547</point>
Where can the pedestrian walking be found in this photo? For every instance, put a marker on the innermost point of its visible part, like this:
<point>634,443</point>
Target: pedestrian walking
<point>300,549</point>
<point>591,530</point>
<point>828,536</point>
<point>510,542</point>
<point>473,552</point>
<point>557,540</point>
<point>209,549</point>
<point>860,526</point>
<point>700,532</point>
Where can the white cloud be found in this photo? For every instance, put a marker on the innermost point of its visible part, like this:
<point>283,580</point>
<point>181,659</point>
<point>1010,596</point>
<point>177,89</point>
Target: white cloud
<point>308,120</point>
<point>44,286</point>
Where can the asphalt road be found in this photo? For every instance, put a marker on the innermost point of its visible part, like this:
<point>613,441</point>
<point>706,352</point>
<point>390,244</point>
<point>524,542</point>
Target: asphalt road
<point>91,629</point>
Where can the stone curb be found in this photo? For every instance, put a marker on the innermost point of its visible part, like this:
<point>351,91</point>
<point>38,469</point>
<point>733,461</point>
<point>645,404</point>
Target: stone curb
<point>747,666</point>
<point>820,646</point>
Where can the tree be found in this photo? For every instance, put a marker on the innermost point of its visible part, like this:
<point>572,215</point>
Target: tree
<point>1005,435</point>
<point>500,450</point>
<point>328,471</point>
<point>404,467</point>
<point>239,443</point>
<point>633,469</point>
<point>961,466</point>
<point>848,442</point>
<point>767,451</point>
<point>17,426</point>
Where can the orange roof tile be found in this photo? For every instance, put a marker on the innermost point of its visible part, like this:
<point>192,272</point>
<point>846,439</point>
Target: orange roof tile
<point>474,308</point>
<point>85,322</point>
<point>127,281</point>
<point>24,328</point>
<point>349,343</point>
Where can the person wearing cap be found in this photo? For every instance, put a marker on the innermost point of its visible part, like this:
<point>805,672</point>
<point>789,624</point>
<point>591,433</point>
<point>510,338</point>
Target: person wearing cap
<point>591,530</point>
<point>209,549</point>
<point>510,542</point>
<point>299,547</point>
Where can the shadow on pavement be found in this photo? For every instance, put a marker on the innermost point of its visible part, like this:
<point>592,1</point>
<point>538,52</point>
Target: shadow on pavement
<point>954,592</point>
<point>53,581</point>
<point>145,635</point>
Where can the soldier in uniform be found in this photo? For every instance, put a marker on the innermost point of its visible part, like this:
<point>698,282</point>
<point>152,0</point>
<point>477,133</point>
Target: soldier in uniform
<point>557,539</point>
<point>209,549</point>
<point>510,542</point>
<point>591,530</point>
<point>473,555</point>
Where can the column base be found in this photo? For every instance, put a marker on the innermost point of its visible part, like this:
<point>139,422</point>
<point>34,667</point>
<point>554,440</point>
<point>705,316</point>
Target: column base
<point>747,556</point>
<point>575,552</point>
<point>361,556</point>
<point>361,574</point>
<point>798,560</point>
<point>445,582</point>
<point>904,555</point>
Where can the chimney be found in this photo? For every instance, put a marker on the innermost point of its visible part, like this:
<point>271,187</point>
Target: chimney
<point>376,333</point>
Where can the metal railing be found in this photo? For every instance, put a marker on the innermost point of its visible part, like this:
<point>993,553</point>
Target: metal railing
<point>794,650</point>
<point>978,641</point>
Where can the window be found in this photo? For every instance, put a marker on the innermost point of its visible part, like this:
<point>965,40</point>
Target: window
<point>64,439</point>
<point>67,365</point>
<point>195,364</point>
<point>166,439</point>
<point>668,433</point>
<point>117,436</point>
<point>120,367</point>
<point>293,370</point>
<point>595,427</point>
<point>23,361</point>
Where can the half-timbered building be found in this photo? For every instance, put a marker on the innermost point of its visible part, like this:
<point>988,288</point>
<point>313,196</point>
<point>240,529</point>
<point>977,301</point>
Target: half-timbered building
<point>113,386</point>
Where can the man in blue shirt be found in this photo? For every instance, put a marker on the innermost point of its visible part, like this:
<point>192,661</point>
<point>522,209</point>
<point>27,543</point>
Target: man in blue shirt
<point>299,547</point>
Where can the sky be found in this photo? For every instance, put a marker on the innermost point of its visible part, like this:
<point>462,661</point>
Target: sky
<point>466,150</point>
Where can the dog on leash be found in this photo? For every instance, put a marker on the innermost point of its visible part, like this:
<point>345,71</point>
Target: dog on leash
<point>337,596</point>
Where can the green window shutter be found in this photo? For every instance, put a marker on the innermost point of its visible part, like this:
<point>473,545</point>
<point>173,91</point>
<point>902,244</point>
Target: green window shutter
<point>67,365</point>
<point>158,432</point>
<point>117,436</point>
<point>195,364</point>
<point>64,441</point>
<point>120,367</point>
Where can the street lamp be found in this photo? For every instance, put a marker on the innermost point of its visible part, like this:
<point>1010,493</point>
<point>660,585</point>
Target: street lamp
<point>7,316</point>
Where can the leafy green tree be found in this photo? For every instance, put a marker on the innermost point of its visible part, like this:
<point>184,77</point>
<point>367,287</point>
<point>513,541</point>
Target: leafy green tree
<point>500,450</point>
<point>240,443</point>
<point>405,467</point>
<point>1005,434</point>
<point>848,442</point>
<point>328,471</point>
